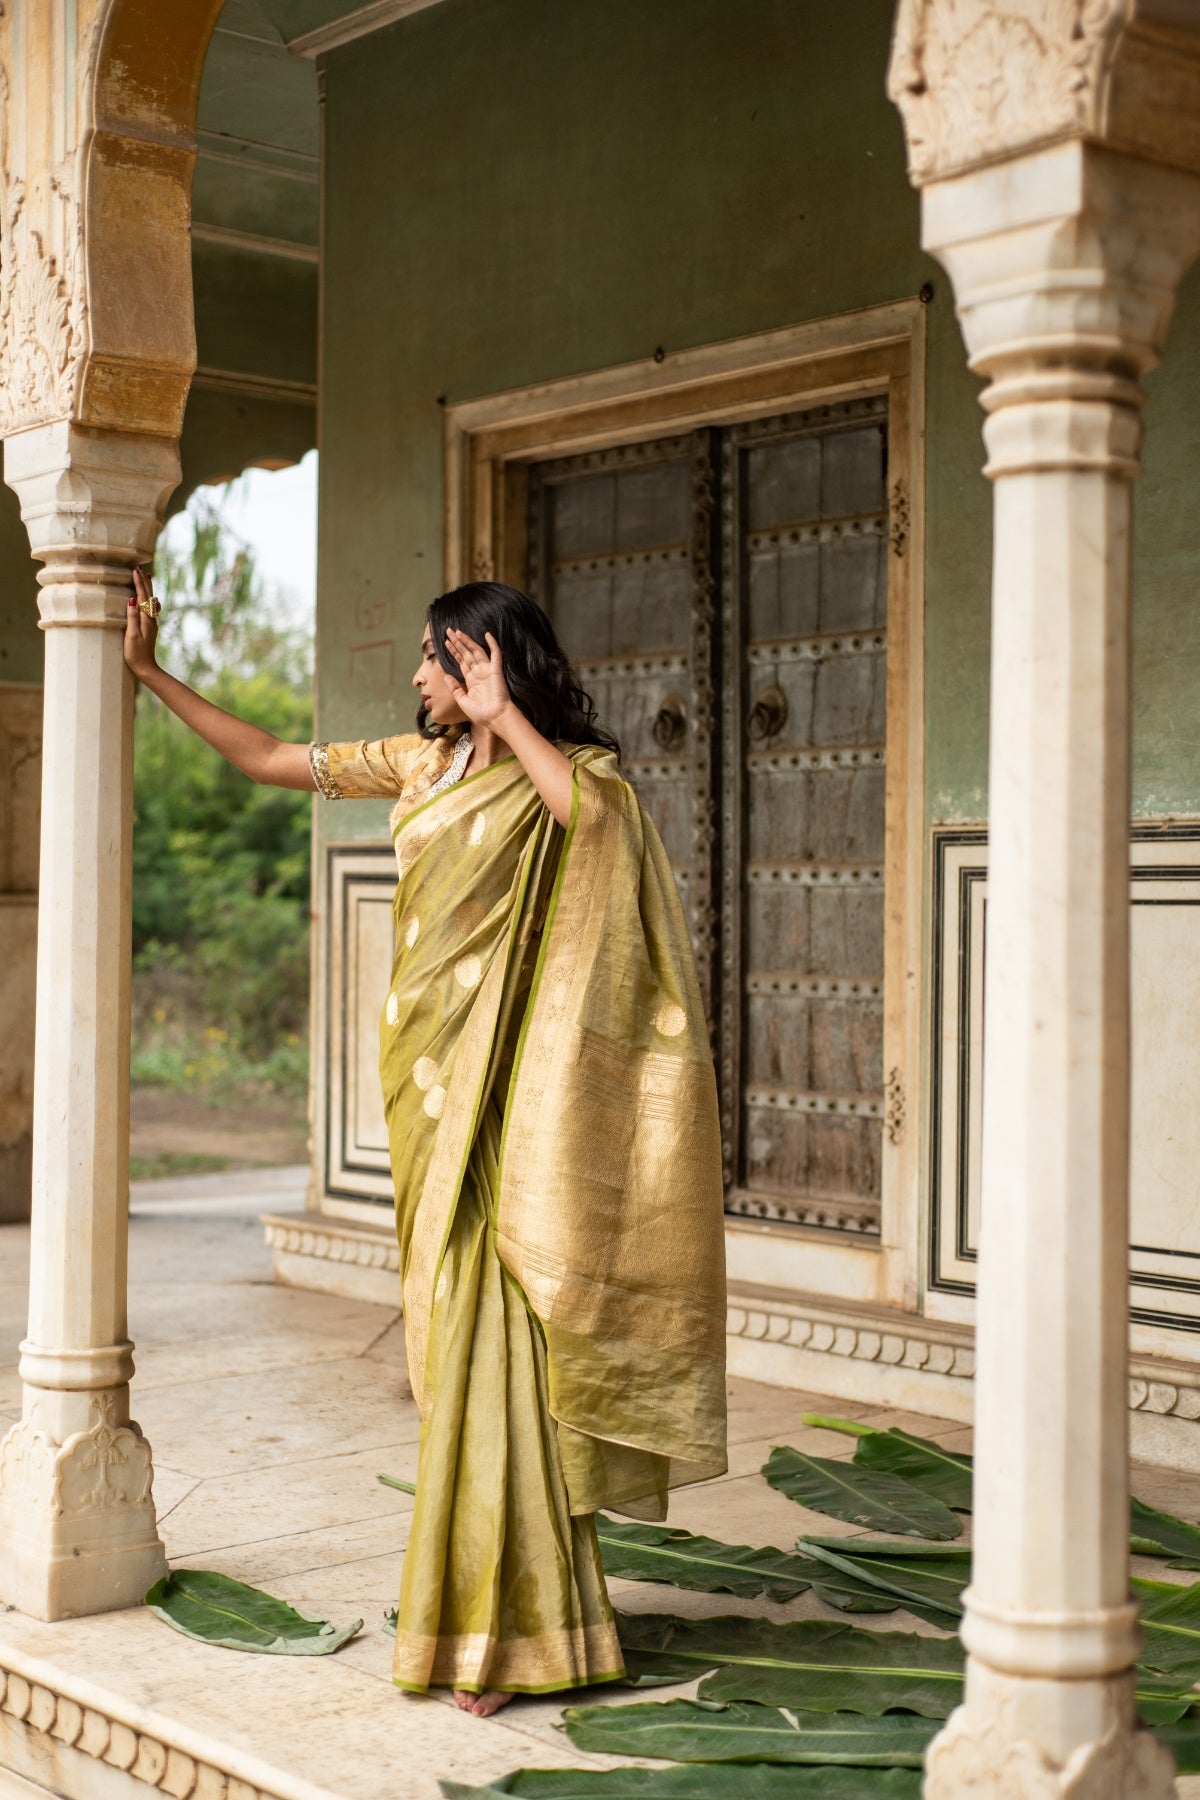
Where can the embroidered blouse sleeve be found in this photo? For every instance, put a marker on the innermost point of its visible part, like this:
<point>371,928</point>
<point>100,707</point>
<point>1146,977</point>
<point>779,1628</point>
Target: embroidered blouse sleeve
<point>362,770</point>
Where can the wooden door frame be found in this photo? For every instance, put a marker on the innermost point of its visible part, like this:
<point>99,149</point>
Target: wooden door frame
<point>490,443</point>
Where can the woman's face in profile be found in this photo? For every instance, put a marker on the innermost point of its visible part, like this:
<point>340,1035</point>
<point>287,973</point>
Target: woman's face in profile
<point>441,707</point>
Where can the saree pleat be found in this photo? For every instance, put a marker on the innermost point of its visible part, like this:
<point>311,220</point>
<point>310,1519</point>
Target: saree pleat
<point>564,1307</point>
<point>502,1587</point>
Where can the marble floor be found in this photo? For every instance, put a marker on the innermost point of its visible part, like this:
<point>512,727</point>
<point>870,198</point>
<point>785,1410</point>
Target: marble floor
<point>271,1411</point>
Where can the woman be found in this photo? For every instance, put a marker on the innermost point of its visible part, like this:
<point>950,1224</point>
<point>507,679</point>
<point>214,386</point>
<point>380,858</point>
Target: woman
<point>555,1147</point>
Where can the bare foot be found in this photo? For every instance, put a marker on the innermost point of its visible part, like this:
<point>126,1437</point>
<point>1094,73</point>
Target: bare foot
<point>489,1703</point>
<point>464,1699</point>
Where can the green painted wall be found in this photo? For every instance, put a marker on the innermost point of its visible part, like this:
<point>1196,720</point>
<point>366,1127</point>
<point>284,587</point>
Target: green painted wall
<point>1166,571</point>
<point>523,189</point>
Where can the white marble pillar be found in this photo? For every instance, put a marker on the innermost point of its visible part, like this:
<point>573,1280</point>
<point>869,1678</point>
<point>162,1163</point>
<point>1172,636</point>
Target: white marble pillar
<point>77,1523</point>
<point>1065,263</point>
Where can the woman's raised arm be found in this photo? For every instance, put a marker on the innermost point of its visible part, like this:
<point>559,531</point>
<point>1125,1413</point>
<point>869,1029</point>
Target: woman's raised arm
<point>255,752</point>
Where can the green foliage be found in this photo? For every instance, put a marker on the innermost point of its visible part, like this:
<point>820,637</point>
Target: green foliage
<point>175,1162</point>
<point>201,1603</point>
<point>636,1552</point>
<point>699,1781</point>
<point>880,1501</point>
<point>943,1474</point>
<point>221,866</point>
<point>702,1731</point>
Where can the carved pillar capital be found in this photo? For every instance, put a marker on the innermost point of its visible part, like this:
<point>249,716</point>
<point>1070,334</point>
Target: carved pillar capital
<point>1065,264</point>
<point>980,81</point>
<point>92,502</point>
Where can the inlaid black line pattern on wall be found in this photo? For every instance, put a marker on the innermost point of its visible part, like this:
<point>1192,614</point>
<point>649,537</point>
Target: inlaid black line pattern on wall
<point>956,881</point>
<point>347,883</point>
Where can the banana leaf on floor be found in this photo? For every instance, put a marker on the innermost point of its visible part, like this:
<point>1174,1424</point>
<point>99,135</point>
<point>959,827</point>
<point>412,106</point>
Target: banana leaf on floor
<point>866,1497</point>
<point>700,1731</point>
<point>818,1666</point>
<point>636,1552</point>
<point>927,1579</point>
<point>699,1781</point>
<point>944,1475</point>
<point>1182,1738</point>
<point>1170,1618</point>
<point>808,1657</point>
<point>217,1610</point>
<point>1162,1534</point>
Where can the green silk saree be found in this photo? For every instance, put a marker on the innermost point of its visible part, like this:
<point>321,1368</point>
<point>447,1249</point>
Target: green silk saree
<point>555,1148</point>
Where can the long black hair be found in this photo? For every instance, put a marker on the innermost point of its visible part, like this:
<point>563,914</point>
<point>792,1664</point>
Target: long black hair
<point>540,679</point>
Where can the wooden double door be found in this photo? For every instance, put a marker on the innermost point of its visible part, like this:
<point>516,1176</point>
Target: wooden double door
<point>723,594</point>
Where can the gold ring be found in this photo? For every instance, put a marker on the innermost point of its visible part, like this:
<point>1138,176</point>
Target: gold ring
<point>150,607</point>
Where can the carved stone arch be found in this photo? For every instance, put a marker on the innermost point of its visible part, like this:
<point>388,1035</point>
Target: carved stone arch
<point>96,161</point>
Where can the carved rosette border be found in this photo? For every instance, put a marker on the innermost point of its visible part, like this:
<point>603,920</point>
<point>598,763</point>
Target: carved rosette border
<point>915,1347</point>
<point>147,1758</point>
<point>334,1246</point>
<point>831,1336</point>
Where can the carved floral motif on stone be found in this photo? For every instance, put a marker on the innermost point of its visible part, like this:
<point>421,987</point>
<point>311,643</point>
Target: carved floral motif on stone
<point>108,1465</point>
<point>976,80</point>
<point>42,338</point>
<point>978,1756</point>
<point>27,1468</point>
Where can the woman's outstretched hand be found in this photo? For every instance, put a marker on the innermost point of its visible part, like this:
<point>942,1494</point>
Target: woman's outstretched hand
<point>484,697</point>
<point>141,629</point>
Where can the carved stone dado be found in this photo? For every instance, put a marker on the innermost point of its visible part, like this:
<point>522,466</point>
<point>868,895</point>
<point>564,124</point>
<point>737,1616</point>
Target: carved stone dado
<point>348,1245</point>
<point>977,81</point>
<point>71,1734</point>
<point>892,1342</point>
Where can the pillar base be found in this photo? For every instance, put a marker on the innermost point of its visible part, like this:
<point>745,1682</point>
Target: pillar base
<point>77,1526</point>
<point>1047,1740</point>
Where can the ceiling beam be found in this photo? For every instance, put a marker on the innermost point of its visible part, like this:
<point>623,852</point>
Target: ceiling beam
<point>359,23</point>
<point>257,164</point>
<point>254,241</point>
<point>255,387</point>
<point>228,139</point>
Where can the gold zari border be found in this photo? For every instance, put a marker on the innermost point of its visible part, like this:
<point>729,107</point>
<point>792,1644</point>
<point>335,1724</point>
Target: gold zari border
<point>570,1657</point>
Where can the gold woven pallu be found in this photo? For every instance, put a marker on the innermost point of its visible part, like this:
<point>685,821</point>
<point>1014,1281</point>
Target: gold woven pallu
<point>552,1117</point>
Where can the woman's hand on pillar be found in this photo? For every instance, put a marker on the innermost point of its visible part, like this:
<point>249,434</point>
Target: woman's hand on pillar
<point>254,751</point>
<point>141,627</point>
